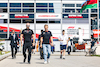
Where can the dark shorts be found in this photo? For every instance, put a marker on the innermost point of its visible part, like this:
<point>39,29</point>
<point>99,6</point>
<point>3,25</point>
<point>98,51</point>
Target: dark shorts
<point>62,47</point>
<point>33,47</point>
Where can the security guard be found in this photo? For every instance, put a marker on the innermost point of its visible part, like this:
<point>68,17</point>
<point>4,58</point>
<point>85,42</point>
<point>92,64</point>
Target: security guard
<point>27,34</point>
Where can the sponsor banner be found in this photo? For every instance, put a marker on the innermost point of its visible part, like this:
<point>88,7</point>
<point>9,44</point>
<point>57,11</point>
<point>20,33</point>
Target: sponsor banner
<point>3,16</point>
<point>48,16</point>
<point>81,31</point>
<point>74,16</point>
<point>95,33</point>
<point>21,16</point>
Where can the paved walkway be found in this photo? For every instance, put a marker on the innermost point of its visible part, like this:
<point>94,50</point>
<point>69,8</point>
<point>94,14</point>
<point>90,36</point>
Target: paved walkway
<point>55,61</point>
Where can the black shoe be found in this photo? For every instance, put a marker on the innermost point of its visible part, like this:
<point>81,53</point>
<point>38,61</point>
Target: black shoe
<point>29,63</point>
<point>41,58</point>
<point>24,60</point>
<point>60,56</point>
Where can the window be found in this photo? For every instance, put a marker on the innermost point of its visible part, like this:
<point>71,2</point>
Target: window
<point>54,20</point>
<point>28,10</point>
<point>78,5</point>
<point>28,4</point>
<point>41,5</point>
<point>41,20</point>
<point>85,15</point>
<point>68,5</point>
<point>69,10</point>
<point>41,10</point>
<point>31,15</point>
<point>15,10</point>
<point>28,20</point>
<point>55,10</point>
<point>15,20</point>
<point>3,21</point>
<point>15,4</point>
<point>3,10</point>
<point>94,10</point>
<point>99,13</point>
<point>3,4</point>
<point>12,15</point>
<point>84,11</point>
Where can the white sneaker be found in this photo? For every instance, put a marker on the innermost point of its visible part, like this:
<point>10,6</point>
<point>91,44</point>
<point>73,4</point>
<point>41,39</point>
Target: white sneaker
<point>45,62</point>
<point>48,61</point>
<point>63,57</point>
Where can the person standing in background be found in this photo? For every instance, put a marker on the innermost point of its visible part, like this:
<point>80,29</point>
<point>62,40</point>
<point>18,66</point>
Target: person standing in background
<point>41,49</point>
<point>14,41</point>
<point>69,44</point>
<point>63,43</point>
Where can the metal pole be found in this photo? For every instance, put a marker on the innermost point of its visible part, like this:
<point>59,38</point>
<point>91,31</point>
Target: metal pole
<point>98,18</point>
<point>89,23</point>
<point>35,18</point>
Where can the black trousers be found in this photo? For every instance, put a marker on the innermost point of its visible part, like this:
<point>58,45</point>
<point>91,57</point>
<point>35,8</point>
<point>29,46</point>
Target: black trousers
<point>69,49</point>
<point>25,47</point>
<point>14,46</point>
<point>41,53</point>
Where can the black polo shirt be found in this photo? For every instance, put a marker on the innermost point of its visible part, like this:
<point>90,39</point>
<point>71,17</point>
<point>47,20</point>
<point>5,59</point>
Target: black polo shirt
<point>27,34</point>
<point>46,37</point>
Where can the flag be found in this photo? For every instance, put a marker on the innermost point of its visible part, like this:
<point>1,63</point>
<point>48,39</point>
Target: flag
<point>89,4</point>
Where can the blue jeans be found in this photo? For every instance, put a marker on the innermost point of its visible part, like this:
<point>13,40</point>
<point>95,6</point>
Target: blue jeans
<point>46,48</point>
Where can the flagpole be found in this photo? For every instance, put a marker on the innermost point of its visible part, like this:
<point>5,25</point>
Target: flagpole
<point>89,23</point>
<point>98,17</point>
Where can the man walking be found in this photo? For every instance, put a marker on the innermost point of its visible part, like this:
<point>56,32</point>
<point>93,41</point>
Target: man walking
<point>27,34</point>
<point>63,42</point>
<point>47,41</point>
<point>41,49</point>
<point>14,41</point>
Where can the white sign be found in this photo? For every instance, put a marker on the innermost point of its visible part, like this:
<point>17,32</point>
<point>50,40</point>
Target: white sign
<point>48,16</point>
<point>3,16</point>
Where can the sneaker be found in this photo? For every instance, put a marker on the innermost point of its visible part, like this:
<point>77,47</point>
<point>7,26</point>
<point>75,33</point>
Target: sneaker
<point>45,62</point>
<point>63,57</point>
<point>14,56</point>
<point>60,56</point>
<point>48,61</point>
<point>29,63</point>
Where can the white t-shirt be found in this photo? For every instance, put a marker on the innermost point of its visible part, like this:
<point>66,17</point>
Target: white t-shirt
<point>64,38</point>
<point>69,43</point>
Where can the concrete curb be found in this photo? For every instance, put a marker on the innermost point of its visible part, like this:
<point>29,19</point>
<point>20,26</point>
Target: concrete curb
<point>4,56</point>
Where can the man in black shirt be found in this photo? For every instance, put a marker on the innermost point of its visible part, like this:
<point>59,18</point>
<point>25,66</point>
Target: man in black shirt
<point>27,34</point>
<point>41,49</point>
<point>47,41</point>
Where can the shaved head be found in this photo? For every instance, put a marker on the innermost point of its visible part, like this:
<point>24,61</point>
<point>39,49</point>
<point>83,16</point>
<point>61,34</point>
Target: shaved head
<point>27,25</point>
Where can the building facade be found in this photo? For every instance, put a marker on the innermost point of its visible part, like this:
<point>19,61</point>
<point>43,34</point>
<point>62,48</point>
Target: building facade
<point>58,14</point>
